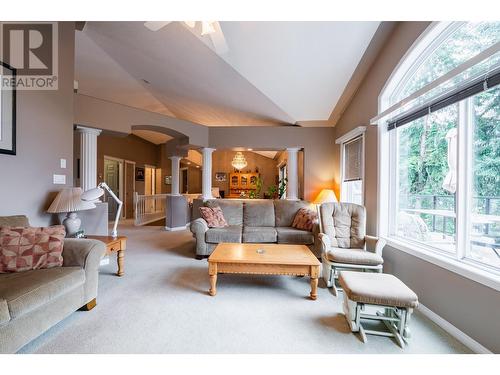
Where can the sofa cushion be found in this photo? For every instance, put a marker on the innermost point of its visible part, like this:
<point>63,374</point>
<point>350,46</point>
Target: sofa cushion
<point>344,223</point>
<point>305,219</point>
<point>286,211</point>
<point>294,236</point>
<point>26,291</point>
<point>377,289</point>
<point>260,234</point>
<point>231,233</point>
<point>213,216</point>
<point>233,210</point>
<point>258,213</point>
<point>354,256</point>
<point>28,248</point>
<point>14,221</point>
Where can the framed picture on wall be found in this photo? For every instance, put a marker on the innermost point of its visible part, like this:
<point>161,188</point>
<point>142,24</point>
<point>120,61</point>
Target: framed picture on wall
<point>139,174</point>
<point>220,176</point>
<point>168,180</point>
<point>7,110</point>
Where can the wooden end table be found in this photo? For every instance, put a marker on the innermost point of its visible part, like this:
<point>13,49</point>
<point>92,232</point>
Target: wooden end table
<point>263,259</point>
<point>114,245</point>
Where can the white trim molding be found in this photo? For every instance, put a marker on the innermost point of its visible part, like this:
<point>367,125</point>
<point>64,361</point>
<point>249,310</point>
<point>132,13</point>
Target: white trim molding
<point>453,331</point>
<point>175,229</point>
<point>462,268</point>
<point>351,134</point>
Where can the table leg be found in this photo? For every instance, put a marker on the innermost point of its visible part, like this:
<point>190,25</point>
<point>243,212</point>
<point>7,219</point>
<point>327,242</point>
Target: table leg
<point>120,254</point>
<point>314,288</point>
<point>212,272</point>
<point>213,281</point>
<point>314,282</point>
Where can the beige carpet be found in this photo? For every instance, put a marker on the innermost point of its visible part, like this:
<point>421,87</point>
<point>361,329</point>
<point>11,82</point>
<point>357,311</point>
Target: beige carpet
<point>161,305</point>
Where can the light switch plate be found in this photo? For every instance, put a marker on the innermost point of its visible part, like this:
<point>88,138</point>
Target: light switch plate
<point>63,163</point>
<point>59,179</point>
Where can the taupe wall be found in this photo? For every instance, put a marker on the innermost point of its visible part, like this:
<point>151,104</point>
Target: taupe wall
<point>468,305</point>
<point>44,135</point>
<point>130,148</point>
<point>318,144</point>
<point>221,162</point>
<point>364,106</point>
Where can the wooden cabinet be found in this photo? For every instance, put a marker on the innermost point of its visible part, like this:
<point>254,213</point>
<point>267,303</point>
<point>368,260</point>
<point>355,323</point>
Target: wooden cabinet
<point>242,183</point>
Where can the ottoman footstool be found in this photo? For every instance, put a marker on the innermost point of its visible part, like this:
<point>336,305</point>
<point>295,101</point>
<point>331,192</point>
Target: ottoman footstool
<point>378,290</point>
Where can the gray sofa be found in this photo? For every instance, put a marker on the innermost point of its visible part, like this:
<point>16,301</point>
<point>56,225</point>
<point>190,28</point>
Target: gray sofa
<point>252,221</point>
<point>33,301</point>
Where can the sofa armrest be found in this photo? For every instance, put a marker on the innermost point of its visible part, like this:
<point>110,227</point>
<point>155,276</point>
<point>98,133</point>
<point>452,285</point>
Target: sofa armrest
<point>87,254</point>
<point>325,242</point>
<point>199,227</point>
<point>374,244</point>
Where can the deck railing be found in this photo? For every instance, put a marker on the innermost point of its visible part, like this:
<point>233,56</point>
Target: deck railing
<point>149,208</point>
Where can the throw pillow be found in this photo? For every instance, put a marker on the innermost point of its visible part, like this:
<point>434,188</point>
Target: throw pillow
<point>213,216</point>
<point>305,219</point>
<point>29,248</point>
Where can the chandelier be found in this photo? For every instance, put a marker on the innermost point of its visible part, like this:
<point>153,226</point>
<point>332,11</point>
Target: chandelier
<point>239,162</point>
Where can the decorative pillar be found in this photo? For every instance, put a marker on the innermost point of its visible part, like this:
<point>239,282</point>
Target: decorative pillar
<point>88,156</point>
<point>175,174</point>
<point>292,174</point>
<point>207,173</point>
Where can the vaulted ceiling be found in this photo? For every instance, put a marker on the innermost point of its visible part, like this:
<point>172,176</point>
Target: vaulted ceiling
<point>273,73</point>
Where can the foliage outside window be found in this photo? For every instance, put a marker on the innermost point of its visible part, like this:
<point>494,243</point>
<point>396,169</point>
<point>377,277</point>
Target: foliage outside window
<point>425,195</point>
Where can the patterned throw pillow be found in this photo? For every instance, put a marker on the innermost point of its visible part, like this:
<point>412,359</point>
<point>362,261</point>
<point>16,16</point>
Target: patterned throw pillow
<point>213,216</point>
<point>24,249</point>
<point>305,219</point>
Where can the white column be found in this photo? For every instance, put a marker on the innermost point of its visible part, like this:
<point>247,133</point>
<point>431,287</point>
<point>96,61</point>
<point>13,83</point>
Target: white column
<point>206,182</point>
<point>292,174</point>
<point>175,174</point>
<point>88,157</point>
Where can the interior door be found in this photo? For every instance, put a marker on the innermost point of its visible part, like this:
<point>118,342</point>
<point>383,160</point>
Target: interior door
<point>112,178</point>
<point>129,189</point>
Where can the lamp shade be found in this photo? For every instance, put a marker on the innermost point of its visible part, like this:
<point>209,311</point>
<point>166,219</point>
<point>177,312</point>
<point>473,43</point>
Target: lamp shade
<point>326,195</point>
<point>92,194</point>
<point>69,200</point>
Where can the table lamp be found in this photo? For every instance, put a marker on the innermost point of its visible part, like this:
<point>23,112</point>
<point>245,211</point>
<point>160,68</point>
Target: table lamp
<point>325,196</point>
<point>92,195</point>
<point>69,201</point>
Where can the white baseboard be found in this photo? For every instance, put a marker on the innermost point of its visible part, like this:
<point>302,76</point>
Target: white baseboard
<point>176,228</point>
<point>453,331</point>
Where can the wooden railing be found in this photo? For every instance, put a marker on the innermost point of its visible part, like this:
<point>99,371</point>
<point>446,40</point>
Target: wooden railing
<point>149,208</point>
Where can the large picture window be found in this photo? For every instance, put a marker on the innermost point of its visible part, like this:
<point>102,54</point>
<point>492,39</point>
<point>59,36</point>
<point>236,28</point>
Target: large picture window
<point>440,151</point>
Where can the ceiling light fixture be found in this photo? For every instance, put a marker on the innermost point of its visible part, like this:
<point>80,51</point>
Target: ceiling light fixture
<point>239,162</point>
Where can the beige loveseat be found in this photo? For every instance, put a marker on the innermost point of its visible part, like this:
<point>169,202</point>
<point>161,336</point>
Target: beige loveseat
<point>33,301</point>
<point>252,221</point>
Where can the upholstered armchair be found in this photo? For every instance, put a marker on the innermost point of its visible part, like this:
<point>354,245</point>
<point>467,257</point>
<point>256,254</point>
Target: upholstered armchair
<point>344,244</point>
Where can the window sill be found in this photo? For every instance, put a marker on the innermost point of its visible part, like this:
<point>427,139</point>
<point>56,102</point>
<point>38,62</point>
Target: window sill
<point>464,269</point>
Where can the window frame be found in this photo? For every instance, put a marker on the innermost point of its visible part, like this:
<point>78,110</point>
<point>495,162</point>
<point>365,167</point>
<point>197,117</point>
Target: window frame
<point>358,132</point>
<point>457,262</point>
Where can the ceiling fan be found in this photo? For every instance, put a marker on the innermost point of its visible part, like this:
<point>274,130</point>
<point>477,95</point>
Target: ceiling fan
<point>210,28</point>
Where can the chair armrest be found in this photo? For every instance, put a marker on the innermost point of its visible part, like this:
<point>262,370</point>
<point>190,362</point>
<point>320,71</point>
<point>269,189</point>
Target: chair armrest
<point>326,244</point>
<point>85,253</point>
<point>198,226</point>
<point>374,244</point>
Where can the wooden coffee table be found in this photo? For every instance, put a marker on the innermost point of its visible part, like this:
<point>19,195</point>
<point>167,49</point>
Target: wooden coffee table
<point>263,259</point>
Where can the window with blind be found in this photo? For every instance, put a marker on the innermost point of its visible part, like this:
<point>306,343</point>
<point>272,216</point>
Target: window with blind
<point>352,170</point>
<point>440,147</point>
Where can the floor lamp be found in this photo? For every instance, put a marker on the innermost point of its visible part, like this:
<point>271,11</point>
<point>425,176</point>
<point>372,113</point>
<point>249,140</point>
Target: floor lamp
<point>95,193</point>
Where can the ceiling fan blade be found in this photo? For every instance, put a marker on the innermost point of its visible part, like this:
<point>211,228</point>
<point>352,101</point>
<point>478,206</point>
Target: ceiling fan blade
<point>156,25</point>
<point>190,24</point>
<point>218,39</point>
